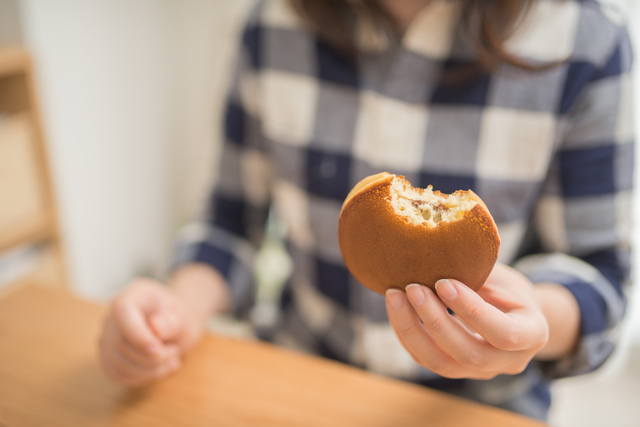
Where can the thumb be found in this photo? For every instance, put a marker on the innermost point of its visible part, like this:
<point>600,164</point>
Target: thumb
<point>166,325</point>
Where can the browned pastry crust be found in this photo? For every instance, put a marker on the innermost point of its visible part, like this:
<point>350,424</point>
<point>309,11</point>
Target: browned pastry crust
<point>383,249</point>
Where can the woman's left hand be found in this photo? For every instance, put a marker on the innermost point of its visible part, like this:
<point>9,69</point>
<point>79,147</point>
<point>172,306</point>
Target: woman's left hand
<point>495,331</point>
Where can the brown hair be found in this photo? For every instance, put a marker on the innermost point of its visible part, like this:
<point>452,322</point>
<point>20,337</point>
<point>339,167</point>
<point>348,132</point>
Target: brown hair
<point>487,23</point>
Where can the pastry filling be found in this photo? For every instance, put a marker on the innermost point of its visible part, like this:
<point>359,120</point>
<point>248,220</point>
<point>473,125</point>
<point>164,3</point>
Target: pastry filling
<point>426,207</point>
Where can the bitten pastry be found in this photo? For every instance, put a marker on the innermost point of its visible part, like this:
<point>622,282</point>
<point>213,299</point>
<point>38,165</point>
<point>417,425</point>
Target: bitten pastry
<point>392,234</point>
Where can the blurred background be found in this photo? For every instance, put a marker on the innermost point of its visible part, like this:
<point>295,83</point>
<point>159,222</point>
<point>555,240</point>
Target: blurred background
<point>130,95</point>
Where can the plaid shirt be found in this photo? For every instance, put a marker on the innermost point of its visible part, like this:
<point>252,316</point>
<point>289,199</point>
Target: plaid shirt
<point>550,152</point>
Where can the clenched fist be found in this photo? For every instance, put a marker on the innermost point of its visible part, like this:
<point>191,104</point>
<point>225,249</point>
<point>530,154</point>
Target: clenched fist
<point>146,330</point>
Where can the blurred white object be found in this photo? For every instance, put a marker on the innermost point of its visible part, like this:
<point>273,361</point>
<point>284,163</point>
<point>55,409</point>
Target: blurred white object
<point>129,93</point>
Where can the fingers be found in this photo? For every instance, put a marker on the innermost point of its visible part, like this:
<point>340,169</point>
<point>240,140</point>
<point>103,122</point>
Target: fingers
<point>131,322</point>
<point>128,365</point>
<point>140,336</point>
<point>406,323</point>
<point>468,349</point>
<point>148,317</point>
<point>132,374</point>
<point>418,341</point>
<point>482,340</point>
<point>165,324</point>
<point>512,331</point>
<point>136,355</point>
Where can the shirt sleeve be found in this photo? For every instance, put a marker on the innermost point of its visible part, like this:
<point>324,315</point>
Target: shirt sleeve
<point>232,228</point>
<point>583,215</point>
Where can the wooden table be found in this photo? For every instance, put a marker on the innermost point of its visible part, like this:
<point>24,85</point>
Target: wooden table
<point>49,376</point>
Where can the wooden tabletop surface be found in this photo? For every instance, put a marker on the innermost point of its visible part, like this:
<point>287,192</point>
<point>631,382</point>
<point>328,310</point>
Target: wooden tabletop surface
<point>49,376</point>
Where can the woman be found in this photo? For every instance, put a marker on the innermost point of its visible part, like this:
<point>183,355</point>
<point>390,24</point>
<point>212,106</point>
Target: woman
<point>524,102</point>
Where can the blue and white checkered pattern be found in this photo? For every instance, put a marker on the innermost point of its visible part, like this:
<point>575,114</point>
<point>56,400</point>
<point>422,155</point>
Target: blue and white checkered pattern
<point>550,152</point>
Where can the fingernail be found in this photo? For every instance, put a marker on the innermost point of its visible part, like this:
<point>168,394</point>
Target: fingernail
<point>415,293</point>
<point>446,290</point>
<point>394,298</point>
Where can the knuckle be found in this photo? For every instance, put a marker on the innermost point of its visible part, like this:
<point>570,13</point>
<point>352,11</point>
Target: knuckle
<point>473,359</point>
<point>435,324</point>
<point>407,329</point>
<point>512,340</point>
<point>474,312</point>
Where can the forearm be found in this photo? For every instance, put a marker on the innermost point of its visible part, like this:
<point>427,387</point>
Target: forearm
<point>202,290</point>
<point>563,316</point>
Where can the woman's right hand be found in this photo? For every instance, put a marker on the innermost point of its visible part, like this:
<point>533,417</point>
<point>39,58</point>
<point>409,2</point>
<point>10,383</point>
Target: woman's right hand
<point>145,332</point>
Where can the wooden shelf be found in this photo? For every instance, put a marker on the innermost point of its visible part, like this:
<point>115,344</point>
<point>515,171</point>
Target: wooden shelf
<point>30,230</point>
<point>13,60</point>
<point>30,214</point>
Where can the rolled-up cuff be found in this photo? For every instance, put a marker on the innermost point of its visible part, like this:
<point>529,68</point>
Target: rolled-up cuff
<point>601,309</point>
<point>228,254</point>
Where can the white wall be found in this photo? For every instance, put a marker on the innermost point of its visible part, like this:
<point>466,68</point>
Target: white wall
<point>101,71</point>
<point>202,42</point>
<point>10,30</point>
<point>129,93</point>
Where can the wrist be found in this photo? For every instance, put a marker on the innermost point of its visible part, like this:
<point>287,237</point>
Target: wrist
<point>562,312</point>
<point>201,290</point>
